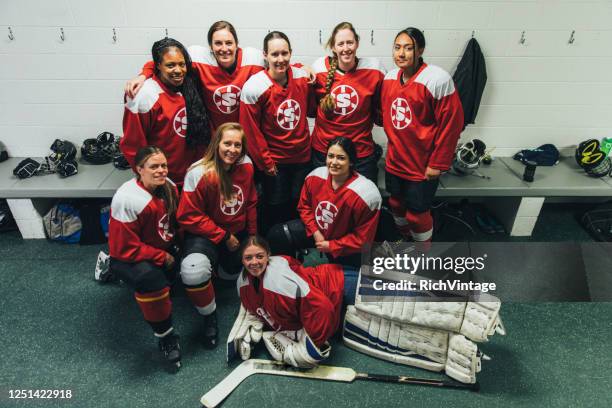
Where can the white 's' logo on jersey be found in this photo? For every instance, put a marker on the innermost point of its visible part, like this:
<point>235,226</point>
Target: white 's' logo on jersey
<point>163,228</point>
<point>180,122</point>
<point>346,98</point>
<point>401,115</point>
<point>227,98</point>
<point>325,214</point>
<point>231,207</point>
<point>288,114</point>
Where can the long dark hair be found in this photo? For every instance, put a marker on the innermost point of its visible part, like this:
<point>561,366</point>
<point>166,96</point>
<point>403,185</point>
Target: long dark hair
<point>417,36</point>
<point>166,192</point>
<point>198,127</point>
<point>348,146</point>
<point>327,103</point>
<point>212,159</point>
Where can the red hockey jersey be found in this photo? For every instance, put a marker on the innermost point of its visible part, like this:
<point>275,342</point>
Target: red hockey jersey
<point>274,119</point>
<point>157,116</point>
<point>139,227</point>
<point>357,94</point>
<point>423,119</point>
<point>347,217</point>
<point>221,89</point>
<point>290,296</point>
<point>203,211</point>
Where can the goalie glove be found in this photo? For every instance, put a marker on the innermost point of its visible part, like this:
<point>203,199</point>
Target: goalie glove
<point>246,331</point>
<point>295,348</point>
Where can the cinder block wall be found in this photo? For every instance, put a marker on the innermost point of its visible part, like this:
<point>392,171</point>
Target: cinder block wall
<point>544,90</point>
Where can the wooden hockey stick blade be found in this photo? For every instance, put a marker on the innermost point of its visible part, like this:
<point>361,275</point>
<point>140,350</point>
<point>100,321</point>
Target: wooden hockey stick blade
<point>220,391</point>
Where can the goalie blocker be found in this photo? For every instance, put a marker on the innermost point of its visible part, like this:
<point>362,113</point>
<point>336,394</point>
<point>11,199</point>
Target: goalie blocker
<point>436,336</point>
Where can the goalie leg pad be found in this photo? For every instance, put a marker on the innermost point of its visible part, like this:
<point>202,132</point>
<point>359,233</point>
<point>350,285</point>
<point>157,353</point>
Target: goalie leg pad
<point>295,348</point>
<point>431,349</point>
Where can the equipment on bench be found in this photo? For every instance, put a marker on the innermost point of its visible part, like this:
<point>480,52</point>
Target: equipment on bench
<point>468,157</point>
<point>100,150</point>
<point>592,159</point>
<point>545,155</point>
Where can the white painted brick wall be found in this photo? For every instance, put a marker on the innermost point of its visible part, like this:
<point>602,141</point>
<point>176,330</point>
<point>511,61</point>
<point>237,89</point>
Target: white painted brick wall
<point>543,91</point>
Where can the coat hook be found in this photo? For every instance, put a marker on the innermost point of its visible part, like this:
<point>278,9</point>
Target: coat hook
<point>114,36</point>
<point>320,40</point>
<point>62,35</point>
<point>372,37</point>
<point>472,33</point>
<point>571,39</point>
<point>166,33</point>
<point>11,36</point>
<point>522,40</point>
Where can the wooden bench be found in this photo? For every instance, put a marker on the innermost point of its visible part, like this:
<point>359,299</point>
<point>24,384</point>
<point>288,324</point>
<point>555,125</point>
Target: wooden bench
<point>517,203</point>
<point>31,198</point>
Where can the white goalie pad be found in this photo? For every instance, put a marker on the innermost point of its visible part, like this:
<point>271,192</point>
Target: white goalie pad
<point>475,320</point>
<point>295,348</point>
<point>246,331</point>
<point>404,343</point>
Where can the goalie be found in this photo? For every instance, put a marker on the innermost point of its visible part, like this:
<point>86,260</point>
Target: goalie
<point>298,306</point>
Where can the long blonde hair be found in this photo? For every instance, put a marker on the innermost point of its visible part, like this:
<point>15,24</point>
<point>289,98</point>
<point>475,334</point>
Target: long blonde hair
<point>212,159</point>
<point>327,103</point>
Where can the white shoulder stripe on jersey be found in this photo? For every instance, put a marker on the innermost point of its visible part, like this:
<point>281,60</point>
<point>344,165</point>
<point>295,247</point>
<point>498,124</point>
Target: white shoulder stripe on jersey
<point>254,87</point>
<point>392,75</point>
<point>252,56</point>
<point>193,176</point>
<point>129,201</point>
<point>146,98</point>
<point>371,63</point>
<point>437,81</point>
<point>281,279</point>
<point>298,73</point>
<point>319,65</point>
<point>367,191</point>
<point>201,55</point>
<point>321,172</point>
<point>245,160</point>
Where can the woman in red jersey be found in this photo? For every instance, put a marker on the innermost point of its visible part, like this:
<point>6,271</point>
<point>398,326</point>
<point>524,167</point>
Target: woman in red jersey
<point>423,118</point>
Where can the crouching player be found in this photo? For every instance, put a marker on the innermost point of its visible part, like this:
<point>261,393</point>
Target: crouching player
<point>298,306</point>
<point>141,234</point>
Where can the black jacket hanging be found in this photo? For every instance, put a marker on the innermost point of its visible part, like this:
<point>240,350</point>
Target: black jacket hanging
<point>470,79</point>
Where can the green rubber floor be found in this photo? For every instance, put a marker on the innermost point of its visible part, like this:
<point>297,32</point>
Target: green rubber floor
<point>62,330</point>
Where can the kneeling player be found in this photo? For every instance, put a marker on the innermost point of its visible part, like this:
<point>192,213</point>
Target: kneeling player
<point>339,210</point>
<point>301,305</point>
<point>141,233</point>
<point>217,209</point>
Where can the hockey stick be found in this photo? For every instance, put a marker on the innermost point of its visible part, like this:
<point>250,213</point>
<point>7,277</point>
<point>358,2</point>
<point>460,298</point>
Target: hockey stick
<point>329,373</point>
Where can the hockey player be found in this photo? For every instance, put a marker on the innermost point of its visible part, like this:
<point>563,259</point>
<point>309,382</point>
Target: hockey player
<point>273,109</point>
<point>168,112</point>
<point>423,118</point>
<point>339,210</point>
<point>217,209</point>
<point>223,70</point>
<point>299,305</point>
<point>141,233</point>
<point>348,90</point>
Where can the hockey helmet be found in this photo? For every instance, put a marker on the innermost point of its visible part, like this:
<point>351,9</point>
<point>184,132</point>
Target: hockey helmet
<point>468,156</point>
<point>67,168</point>
<point>62,150</point>
<point>100,150</point>
<point>120,162</point>
<point>27,168</point>
<point>593,161</point>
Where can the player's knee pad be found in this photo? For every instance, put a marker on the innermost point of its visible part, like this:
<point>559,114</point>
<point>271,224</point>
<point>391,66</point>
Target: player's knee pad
<point>146,277</point>
<point>196,268</point>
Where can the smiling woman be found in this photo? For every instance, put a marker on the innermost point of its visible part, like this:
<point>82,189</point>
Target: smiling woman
<point>217,209</point>
<point>273,108</point>
<point>168,112</point>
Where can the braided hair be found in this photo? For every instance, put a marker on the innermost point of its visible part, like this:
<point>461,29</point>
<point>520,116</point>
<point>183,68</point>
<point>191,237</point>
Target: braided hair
<point>198,127</point>
<point>166,192</point>
<point>328,103</point>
